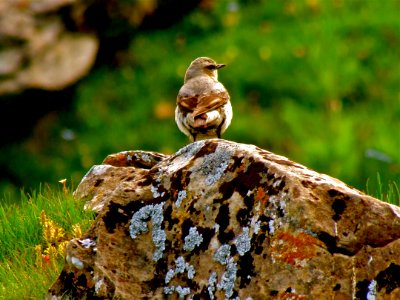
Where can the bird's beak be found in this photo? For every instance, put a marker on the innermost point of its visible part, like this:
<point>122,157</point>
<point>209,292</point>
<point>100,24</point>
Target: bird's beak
<point>219,66</point>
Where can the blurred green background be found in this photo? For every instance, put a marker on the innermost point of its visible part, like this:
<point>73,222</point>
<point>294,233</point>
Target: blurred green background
<point>317,81</point>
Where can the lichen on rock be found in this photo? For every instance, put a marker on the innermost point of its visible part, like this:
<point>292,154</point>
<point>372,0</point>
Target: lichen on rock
<point>222,220</point>
<point>139,225</point>
<point>192,240</point>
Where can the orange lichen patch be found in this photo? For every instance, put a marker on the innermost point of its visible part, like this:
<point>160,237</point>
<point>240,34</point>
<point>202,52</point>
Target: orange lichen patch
<point>117,160</point>
<point>294,248</point>
<point>261,196</point>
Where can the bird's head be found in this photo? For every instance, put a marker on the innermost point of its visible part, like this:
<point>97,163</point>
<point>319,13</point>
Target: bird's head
<point>202,66</point>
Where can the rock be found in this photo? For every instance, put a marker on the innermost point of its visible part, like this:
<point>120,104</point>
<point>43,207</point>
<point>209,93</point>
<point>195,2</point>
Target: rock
<point>127,165</point>
<point>10,59</point>
<point>52,69</point>
<point>51,44</point>
<point>39,51</point>
<point>222,220</point>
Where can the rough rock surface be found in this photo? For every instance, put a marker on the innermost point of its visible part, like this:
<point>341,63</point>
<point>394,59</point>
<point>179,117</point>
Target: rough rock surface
<point>37,50</point>
<point>221,220</point>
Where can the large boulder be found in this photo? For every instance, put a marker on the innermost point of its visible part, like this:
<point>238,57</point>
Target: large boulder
<point>222,220</point>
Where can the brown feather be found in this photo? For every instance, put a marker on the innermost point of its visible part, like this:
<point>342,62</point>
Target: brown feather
<point>187,103</point>
<point>199,105</point>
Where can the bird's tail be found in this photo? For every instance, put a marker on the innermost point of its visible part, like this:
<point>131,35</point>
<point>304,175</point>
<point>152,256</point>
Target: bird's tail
<point>208,119</point>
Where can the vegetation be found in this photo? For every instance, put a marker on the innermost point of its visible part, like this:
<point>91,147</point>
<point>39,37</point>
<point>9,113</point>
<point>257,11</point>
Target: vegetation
<point>314,80</point>
<point>33,237</point>
<point>390,195</point>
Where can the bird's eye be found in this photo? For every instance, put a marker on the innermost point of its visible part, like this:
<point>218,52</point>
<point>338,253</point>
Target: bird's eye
<point>211,67</point>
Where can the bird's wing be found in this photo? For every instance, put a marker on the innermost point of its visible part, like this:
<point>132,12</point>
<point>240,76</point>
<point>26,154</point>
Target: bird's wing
<point>187,102</point>
<point>210,101</point>
<point>198,101</point>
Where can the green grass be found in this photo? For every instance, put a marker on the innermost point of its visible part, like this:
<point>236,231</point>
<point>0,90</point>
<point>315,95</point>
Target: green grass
<point>316,81</point>
<point>24,274</point>
<point>389,193</point>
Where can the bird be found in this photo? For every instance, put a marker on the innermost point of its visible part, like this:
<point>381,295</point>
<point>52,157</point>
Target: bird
<point>203,108</point>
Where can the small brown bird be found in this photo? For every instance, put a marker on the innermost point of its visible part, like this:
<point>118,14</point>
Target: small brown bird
<point>203,107</point>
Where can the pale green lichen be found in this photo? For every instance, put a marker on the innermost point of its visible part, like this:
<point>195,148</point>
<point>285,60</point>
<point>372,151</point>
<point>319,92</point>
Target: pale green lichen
<point>98,285</point>
<point>256,226</point>
<point>76,262</point>
<point>371,295</point>
<point>155,192</point>
<point>87,243</point>
<point>139,225</point>
<point>143,156</point>
<point>99,169</point>
<point>181,266</point>
<point>193,239</point>
<point>182,291</point>
<point>212,282</point>
<point>179,199</point>
<point>243,242</point>
<point>214,165</point>
<point>159,236</point>
<point>278,207</point>
<point>191,149</point>
<point>222,254</point>
<point>228,279</point>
